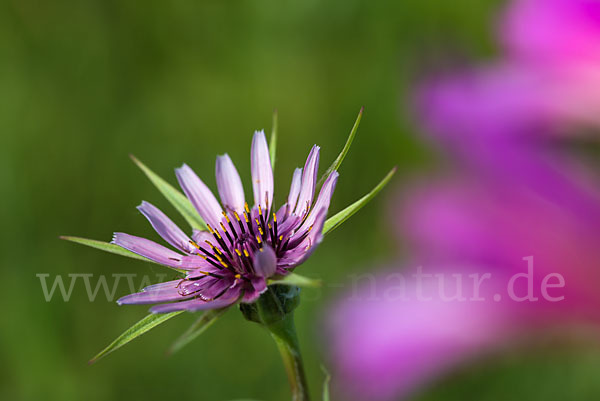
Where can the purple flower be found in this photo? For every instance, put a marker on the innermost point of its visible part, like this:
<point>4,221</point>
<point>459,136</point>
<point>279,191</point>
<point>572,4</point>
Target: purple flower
<point>244,246</point>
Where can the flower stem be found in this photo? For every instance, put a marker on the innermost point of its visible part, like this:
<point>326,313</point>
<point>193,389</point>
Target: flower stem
<point>274,310</point>
<point>284,334</point>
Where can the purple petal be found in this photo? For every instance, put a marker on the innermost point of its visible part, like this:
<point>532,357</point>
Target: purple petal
<point>265,261</point>
<point>295,189</point>
<point>262,172</point>
<point>149,249</point>
<point>302,250</point>
<point>227,299</point>
<point>200,237</point>
<point>309,181</point>
<point>200,195</point>
<point>165,292</point>
<point>165,227</point>
<point>259,286</point>
<point>214,288</point>
<point>229,184</point>
<point>324,198</point>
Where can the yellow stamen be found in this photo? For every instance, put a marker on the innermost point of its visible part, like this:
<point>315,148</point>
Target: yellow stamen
<point>246,207</point>
<point>246,254</point>
<point>281,237</point>
<point>237,216</point>
<point>259,211</point>
<point>238,252</point>
<point>210,228</point>
<point>275,217</point>
<point>226,217</point>
<point>258,239</point>
<point>238,276</point>
<point>213,247</point>
<point>223,227</point>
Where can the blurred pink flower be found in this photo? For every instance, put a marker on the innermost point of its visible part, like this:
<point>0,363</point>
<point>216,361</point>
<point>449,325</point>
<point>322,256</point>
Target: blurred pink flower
<point>519,209</point>
<point>392,335</point>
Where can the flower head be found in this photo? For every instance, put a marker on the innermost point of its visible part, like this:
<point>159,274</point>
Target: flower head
<point>243,245</point>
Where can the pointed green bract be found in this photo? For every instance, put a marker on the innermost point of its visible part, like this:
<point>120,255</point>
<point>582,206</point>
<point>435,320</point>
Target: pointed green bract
<point>104,246</point>
<point>176,198</point>
<point>204,322</point>
<point>338,161</point>
<point>298,280</point>
<point>112,248</point>
<point>141,327</point>
<point>335,221</point>
<point>273,140</point>
<point>326,384</point>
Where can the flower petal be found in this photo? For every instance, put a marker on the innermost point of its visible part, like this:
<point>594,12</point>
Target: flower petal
<point>229,184</point>
<point>200,195</point>
<point>227,299</point>
<point>169,292</point>
<point>200,237</point>
<point>309,181</point>
<point>149,249</point>
<point>304,248</point>
<point>295,189</point>
<point>265,261</point>
<point>259,286</point>
<point>323,200</point>
<point>262,172</point>
<point>165,227</point>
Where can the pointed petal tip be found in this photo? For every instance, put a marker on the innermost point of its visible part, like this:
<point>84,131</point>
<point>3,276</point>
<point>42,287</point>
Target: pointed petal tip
<point>183,167</point>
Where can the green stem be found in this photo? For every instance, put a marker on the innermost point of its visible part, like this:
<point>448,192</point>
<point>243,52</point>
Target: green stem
<point>284,334</point>
<point>274,310</point>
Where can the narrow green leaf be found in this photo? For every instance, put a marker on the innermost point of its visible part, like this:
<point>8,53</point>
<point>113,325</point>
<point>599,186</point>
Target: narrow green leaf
<point>204,322</point>
<point>326,383</point>
<point>112,248</point>
<point>273,140</point>
<point>298,280</point>
<point>104,246</point>
<point>338,161</point>
<point>177,199</point>
<point>335,221</point>
<point>141,327</point>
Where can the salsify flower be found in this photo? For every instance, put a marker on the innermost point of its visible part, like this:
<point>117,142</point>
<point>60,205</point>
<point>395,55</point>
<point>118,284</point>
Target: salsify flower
<point>244,245</point>
<point>238,249</point>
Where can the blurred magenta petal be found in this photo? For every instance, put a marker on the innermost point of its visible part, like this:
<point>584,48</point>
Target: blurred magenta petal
<point>478,105</point>
<point>386,345</point>
<point>549,77</point>
<point>553,30</point>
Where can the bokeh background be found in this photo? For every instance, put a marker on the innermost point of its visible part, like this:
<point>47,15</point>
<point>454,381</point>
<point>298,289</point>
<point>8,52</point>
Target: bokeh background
<point>85,83</point>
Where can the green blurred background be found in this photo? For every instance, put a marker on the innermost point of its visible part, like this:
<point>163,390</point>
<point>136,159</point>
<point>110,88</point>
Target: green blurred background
<point>85,83</point>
